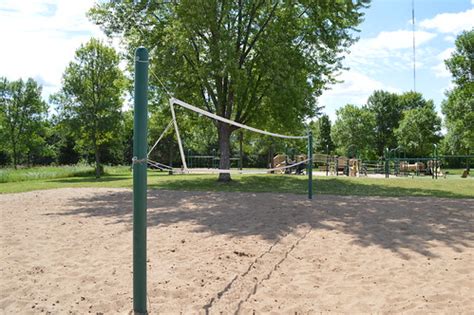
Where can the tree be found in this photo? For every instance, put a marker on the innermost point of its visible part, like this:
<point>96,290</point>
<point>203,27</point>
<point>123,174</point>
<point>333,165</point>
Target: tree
<point>322,134</point>
<point>412,100</point>
<point>461,63</point>
<point>388,111</point>
<point>245,60</point>
<point>419,129</point>
<point>354,131</point>
<point>22,115</point>
<point>459,106</point>
<point>91,99</point>
<point>458,111</point>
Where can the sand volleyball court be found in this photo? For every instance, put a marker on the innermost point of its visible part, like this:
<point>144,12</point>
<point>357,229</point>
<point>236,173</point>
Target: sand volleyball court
<point>69,251</point>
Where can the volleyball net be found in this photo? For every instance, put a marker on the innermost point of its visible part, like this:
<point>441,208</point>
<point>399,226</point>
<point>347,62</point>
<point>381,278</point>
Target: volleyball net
<point>280,163</point>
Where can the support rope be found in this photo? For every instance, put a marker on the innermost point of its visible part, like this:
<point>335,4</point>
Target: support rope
<point>161,136</point>
<point>161,166</point>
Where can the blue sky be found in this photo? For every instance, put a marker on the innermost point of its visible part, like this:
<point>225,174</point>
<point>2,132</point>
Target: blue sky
<point>42,36</point>
<point>382,58</point>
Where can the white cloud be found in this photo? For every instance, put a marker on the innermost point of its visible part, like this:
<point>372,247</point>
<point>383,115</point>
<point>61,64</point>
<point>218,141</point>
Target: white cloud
<point>355,89</point>
<point>450,38</point>
<point>397,39</point>
<point>452,23</point>
<point>445,54</point>
<point>440,69</point>
<point>43,36</point>
<point>390,51</point>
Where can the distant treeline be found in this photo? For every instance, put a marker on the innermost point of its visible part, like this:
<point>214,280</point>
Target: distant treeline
<point>85,121</point>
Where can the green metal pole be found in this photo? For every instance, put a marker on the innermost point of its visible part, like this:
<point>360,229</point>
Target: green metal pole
<point>310,165</point>
<point>327,159</point>
<point>387,161</point>
<point>140,180</point>
<point>433,162</point>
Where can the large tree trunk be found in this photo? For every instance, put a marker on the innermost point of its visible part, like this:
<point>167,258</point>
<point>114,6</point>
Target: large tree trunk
<point>98,167</point>
<point>224,131</point>
<point>15,158</point>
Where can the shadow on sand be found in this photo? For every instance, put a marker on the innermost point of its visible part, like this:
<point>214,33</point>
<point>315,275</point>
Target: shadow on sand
<point>401,225</point>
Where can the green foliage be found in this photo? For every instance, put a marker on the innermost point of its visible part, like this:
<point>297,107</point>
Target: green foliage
<point>459,106</point>
<point>44,172</point>
<point>256,62</point>
<point>388,111</point>
<point>322,134</point>
<point>461,62</point>
<point>353,131</point>
<point>127,136</point>
<point>459,118</point>
<point>22,119</point>
<point>419,130</point>
<point>91,100</point>
<point>412,100</point>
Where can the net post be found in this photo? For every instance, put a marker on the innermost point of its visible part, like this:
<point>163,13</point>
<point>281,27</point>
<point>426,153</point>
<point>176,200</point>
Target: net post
<point>140,181</point>
<point>310,164</point>
<point>178,137</point>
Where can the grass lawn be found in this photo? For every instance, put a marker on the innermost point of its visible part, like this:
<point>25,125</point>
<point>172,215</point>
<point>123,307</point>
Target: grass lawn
<point>452,187</point>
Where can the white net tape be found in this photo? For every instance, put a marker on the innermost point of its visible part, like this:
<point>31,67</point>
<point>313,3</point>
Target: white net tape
<point>231,122</point>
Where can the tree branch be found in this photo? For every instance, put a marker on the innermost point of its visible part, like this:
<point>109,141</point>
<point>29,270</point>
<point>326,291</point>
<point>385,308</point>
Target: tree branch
<point>259,33</point>
<point>249,28</point>
<point>203,81</point>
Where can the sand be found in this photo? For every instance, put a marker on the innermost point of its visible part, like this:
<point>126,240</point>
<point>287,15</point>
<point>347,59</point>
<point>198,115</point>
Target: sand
<point>69,251</point>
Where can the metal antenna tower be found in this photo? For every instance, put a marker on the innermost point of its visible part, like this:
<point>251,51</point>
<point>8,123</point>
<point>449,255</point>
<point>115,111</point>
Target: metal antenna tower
<point>413,32</point>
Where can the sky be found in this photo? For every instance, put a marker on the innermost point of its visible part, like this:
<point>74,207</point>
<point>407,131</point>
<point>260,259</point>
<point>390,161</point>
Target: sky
<point>39,38</point>
<point>383,57</point>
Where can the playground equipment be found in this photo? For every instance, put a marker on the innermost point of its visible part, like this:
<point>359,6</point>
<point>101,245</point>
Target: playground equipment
<point>372,167</point>
<point>338,165</point>
<point>394,164</point>
<point>354,166</point>
<point>405,167</point>
<point>288,166</point>
<point>434,166</point>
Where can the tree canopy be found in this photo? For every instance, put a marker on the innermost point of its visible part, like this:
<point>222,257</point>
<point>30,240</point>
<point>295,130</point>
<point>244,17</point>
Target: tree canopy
<point>458,108</point>
<point>322,134</point>
<point>91,99</point>
<point>387,110</point>
<point>353,131</point>
<point>250,61</point>
<point>419,130</point>
<point>22,117</point>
